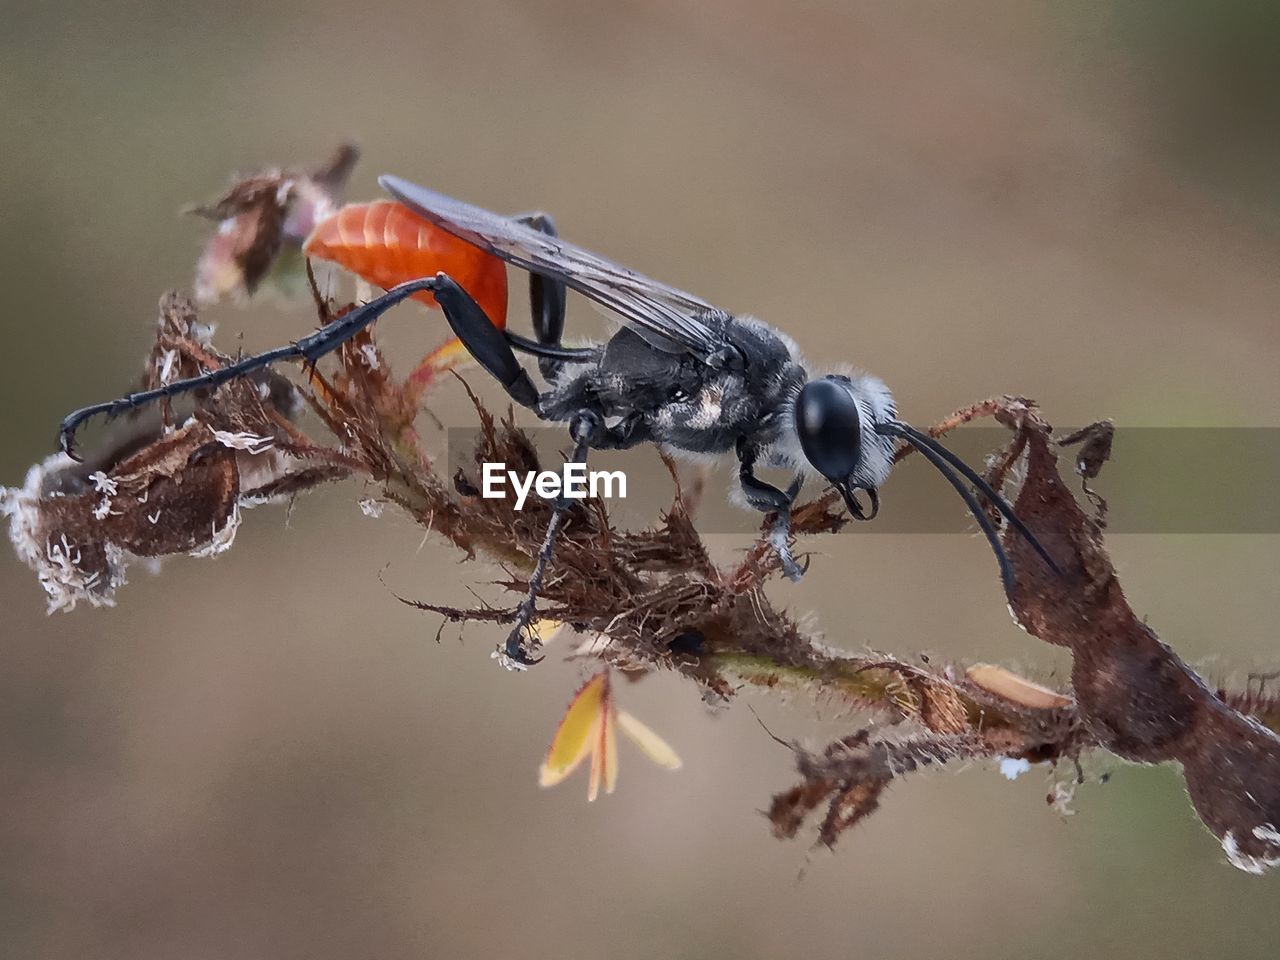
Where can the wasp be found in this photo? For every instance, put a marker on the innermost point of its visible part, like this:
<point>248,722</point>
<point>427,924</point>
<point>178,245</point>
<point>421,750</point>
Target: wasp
<point>679,373</point>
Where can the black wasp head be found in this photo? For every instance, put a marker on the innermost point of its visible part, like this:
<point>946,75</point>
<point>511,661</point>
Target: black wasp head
<point>847,428</point>
<point>829,424</point>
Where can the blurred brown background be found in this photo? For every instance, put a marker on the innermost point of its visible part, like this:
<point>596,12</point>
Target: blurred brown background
<point>265,755</point>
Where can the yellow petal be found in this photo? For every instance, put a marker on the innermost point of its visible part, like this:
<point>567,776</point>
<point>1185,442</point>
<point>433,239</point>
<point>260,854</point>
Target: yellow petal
<point>652,745</point>
<point>604,756</point>
<point>448,356</point>
<point>609,746</point>
<point>1011,686</point>
<point>578,733</point>
<point>545,630</point>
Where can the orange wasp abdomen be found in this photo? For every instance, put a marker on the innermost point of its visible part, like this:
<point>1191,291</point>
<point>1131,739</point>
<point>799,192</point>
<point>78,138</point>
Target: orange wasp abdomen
<point>386,244</point>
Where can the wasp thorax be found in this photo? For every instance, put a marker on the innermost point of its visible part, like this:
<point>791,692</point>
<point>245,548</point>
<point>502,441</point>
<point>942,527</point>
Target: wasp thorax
<point>830,427</point>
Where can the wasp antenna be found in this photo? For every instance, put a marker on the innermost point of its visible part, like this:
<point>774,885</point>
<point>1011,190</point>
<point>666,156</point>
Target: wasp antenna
<point>980,515</point>
<point>921,440</point>
<point>947,463</point>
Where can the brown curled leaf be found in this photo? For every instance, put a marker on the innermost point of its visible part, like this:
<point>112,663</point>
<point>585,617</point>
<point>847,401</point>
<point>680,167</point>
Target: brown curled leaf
<point>1134,694</point>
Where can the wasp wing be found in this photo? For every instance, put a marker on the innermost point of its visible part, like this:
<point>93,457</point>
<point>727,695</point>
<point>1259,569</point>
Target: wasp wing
<point>667,318</point>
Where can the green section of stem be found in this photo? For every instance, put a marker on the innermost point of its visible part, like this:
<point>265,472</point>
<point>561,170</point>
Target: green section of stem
<point>863,683</point>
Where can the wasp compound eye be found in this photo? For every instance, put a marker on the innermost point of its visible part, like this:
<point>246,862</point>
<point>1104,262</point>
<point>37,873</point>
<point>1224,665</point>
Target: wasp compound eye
<point>830,428</point>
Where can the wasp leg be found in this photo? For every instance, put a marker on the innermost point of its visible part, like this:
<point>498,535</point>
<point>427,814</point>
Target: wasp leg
<point>546,300</point>
<point>546,295</point>
<point>486,343</point>
<point>553,353</point>
<point>311,348</point>
<point>767,498</point>
<point>586,429</point>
